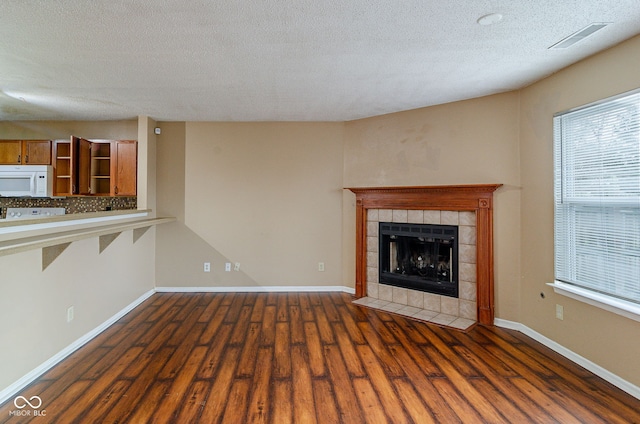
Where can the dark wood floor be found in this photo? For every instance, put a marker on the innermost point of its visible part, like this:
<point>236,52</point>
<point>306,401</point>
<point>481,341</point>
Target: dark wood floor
<point>312,357</point>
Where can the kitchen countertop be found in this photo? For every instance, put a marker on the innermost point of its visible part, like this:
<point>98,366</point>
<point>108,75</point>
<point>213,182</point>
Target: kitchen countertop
<point>22,235</point>
<point>69,217</point>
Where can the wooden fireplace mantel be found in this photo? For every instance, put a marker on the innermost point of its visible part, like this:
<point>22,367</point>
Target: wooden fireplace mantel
<point>477,197</point>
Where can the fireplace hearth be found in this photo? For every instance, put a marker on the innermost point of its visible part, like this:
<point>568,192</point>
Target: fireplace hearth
<point>421,257</point>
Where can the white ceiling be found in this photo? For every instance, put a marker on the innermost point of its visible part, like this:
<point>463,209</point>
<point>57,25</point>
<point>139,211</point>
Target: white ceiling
<point>282,60</point>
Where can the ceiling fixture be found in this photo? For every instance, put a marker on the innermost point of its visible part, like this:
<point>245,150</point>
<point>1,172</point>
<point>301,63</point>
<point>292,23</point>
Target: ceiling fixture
<point>490,19</point>
<point>580,35</point>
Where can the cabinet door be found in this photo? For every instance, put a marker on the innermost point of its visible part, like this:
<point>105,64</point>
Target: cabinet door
<point>64,167</point>
<point>84,164</point>
<point>10,152</point>
<point>101,172</point>
<point>36,152</point>
<point>126,167</point>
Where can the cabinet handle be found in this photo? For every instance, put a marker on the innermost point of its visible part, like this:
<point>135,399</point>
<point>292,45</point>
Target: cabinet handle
<point>26,159</point>
<point>19,158</point>
<point>116,189</point>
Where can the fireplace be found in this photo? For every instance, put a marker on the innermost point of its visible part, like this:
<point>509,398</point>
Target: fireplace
<point>474,200</point>
<point>421,257</point>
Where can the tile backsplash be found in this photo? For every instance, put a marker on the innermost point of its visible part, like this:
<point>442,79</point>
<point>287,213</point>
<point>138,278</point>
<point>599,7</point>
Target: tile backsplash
<point>72,204</point>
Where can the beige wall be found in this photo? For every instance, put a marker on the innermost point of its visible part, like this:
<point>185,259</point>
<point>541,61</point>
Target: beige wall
<point>266,195</point>
<point>33,304</point>
<point>470,142</point>
<point>33,130</point>
<point>609,340</point>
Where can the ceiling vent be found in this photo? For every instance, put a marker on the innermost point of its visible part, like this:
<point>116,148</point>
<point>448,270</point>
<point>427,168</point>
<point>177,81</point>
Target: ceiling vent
<point>579,35</point>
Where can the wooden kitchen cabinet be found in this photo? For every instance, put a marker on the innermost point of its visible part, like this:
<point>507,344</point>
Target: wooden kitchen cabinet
<point>10,152</point>
<point>25,152</point>
<point>107,167</point>
<point>36,152</point>
<point>125,177</point>
<point>64,159</point>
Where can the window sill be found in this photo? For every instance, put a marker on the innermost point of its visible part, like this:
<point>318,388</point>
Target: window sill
<point>617,306</point>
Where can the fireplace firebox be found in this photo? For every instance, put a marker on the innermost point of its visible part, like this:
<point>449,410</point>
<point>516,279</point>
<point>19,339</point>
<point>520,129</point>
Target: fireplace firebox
<point>419,256</point>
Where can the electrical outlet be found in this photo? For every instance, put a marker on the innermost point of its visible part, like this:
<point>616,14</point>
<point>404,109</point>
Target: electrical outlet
<point>227,267</point>
<point>207,267</point>
<point>560,312</point>
<point>70,314</point>
<point>321,266</point>
<point>236,267</point>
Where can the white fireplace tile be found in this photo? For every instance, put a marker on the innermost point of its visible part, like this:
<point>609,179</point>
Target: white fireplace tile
<point>372,244</point>
<point>432,217</point>
<point>459,322</point>
<point>467,272</point>
<point>399,215</point>
<point>468,309</point>
<point>425,315</point>
<point>467,253</point>
<point>379,303</point>
<point>467,218</point>
<point>385,292</point>
<point>372,259</point>
<point>467,234</point>
<point>443,319</point>
<point>432,302</point>
<point>372,290</point>
<point>449,217</point>
<point>400,295</point>
<point>415,298</point>
<point>372,275</point>
<point>372,228</point>
<point>409,310</point>
<point>415,217</point>
<point>462,323</point>
<point>467,290</point>
<point>449,306</point>
<point>391,307</point>
<point>372,215</point>
<point>385,215</point>
<point>365,301</point>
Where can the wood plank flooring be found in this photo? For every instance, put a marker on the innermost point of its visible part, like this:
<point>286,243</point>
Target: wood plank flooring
<point>311,358</point>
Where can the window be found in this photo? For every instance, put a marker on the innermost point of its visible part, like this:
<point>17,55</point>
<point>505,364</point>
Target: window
<point>597,197</point>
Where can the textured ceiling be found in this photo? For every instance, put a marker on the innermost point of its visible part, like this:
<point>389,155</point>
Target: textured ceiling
<point>282,60</point>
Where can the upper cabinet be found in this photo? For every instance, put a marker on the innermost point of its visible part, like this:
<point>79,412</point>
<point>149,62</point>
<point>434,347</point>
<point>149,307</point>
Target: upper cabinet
<point>25,152</point>
<point>64,160</point>
<point>80,166</point>
<point>10,152</point>
<point>107,167</point>
<point>126,160</point>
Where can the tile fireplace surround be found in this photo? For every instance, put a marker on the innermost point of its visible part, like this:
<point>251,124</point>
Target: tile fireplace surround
<point>455,312</point>
<point>471,208</point>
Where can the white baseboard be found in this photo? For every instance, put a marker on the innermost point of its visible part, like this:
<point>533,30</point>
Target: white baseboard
<point>45,366</point>
<point>612,378</point>
<point>253,289</point>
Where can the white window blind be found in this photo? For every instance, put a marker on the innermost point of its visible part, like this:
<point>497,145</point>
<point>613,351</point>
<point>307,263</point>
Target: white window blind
<point>597,197</point>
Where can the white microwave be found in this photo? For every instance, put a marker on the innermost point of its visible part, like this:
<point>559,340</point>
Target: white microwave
<point>26,180</point>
